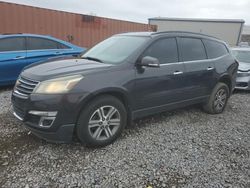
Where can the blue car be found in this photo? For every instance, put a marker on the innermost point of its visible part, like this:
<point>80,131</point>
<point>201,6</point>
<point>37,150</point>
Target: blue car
<point>20,50</point>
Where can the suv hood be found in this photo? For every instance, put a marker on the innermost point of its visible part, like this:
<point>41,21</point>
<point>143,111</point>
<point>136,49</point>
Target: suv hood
<point>244,67</point>
<point>50,69</point>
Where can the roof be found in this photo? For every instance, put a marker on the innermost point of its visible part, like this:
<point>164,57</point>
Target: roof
<point>22,34</point>
<point>182,33</point>
<point>142,34</point>
<point>241,48</point>
<point>198,20</point>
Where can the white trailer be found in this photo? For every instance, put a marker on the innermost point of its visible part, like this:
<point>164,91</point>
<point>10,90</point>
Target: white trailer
<point>227,30</point>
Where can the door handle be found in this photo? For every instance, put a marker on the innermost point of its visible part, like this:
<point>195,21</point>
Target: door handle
<point>178,72</point>
<point>57,53</point>
<point>19,57</point>
<point>210,68</point>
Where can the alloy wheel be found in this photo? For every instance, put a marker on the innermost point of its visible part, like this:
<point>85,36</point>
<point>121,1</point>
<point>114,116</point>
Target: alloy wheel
<point>104,123</point>
<point>220,99</point>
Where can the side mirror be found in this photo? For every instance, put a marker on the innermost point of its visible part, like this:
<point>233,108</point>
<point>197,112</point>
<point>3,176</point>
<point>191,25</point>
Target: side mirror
<point>150,62</point>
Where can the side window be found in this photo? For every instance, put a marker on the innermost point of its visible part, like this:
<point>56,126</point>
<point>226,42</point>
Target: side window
<point>214,49</point>
<point>35,43</point>
<point>192,49</point>
<point>12,44</point>
<point>165,50</point>
<point>62,46</point>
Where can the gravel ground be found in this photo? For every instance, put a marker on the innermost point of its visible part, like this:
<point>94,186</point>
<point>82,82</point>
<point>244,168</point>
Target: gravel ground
<point>182,148</point>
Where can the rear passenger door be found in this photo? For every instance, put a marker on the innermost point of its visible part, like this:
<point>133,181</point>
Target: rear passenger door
<point>39,49</point>
<point>12,58</point>
<point>199,70</point>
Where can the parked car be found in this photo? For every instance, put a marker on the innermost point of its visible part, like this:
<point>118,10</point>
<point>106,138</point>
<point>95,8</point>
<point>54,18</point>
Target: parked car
<point>243,76</point>
<point>20,50</point>
<point>123,78</point>
<point>244,44</point>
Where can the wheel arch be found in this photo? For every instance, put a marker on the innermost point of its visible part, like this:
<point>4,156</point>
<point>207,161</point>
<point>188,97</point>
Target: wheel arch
<point>226,80</point>
<point>120,94</point>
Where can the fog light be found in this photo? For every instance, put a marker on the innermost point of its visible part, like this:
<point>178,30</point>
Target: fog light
<point>46,118</point>
<point>46,121</point>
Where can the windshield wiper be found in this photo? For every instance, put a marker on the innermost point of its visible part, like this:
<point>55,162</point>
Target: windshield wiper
<point>93,59</point>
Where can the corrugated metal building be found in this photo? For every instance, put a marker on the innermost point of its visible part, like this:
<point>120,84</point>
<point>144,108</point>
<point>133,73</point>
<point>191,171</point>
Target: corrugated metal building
<point>227,30</point>
<point>82,30</point>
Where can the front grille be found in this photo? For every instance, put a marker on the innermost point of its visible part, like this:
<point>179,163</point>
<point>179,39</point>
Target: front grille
<point>24,87</point>
<point>241,84</point>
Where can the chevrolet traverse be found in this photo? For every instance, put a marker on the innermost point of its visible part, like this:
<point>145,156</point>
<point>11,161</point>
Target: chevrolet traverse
<point>125,77</point>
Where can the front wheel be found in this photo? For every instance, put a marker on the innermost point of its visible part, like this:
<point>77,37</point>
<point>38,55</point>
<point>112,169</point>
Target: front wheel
<point>102,121</point>
<point>218,99</point>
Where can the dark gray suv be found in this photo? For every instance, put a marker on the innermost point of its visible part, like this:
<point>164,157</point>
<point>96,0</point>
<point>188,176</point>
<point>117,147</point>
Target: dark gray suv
<point>125,77</point>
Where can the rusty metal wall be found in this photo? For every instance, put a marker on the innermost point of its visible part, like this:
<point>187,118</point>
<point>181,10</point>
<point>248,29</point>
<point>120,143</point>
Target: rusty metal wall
<point>82,30</point>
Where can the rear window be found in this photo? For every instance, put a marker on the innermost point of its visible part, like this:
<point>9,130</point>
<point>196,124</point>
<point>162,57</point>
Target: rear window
<point>34,43</point>
<point>215,49</point>
<point>12,44</point>
<point>192,49</point>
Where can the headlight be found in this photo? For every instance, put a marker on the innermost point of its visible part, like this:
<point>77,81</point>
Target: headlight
<point>58,85</point>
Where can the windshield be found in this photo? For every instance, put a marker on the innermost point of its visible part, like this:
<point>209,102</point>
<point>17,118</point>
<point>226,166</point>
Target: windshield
<point>242,56</point>
<point>115,49</point>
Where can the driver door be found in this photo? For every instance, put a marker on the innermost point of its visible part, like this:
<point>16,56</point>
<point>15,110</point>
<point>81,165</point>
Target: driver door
<point>158,88</point>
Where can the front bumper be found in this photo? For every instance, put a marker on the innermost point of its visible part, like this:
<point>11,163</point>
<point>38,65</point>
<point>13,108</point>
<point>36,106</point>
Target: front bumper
<point>51,117</point>
<point>243,81</point>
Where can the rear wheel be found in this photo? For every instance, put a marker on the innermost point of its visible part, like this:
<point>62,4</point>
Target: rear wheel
<point>102,121</point>
<point>218,99</point>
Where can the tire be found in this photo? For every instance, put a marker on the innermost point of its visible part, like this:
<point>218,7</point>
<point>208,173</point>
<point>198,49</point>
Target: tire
<point>101,122</point>
<point>218,99</point>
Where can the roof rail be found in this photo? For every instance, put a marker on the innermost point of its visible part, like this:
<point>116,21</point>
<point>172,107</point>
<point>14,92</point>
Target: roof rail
<point>188,32</point>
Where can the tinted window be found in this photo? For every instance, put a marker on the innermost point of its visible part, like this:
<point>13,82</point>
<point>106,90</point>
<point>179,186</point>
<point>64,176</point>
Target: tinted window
<point>215,49</point>
<point>165,50</point>
<point>62,46</point>
<point>12,44</point>
<point>192,49</point>
<point>42,44</point>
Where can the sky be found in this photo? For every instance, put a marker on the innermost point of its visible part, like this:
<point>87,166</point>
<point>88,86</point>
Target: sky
<point>141,10</point>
